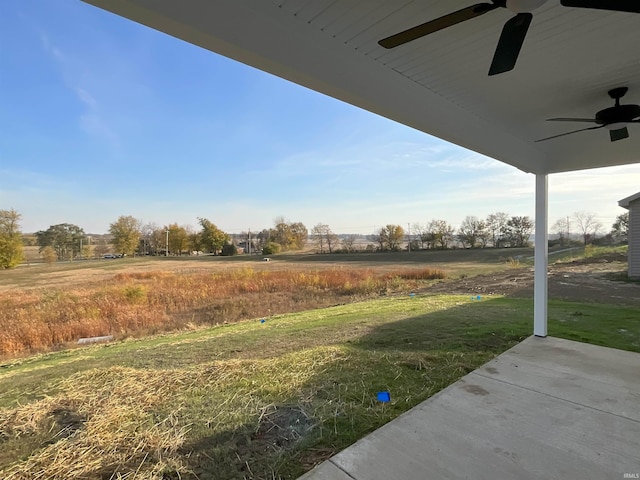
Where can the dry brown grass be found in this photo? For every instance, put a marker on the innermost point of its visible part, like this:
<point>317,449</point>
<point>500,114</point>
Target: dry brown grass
<point>103,424</point>
<point>421,274</point>
<point>137,303</point>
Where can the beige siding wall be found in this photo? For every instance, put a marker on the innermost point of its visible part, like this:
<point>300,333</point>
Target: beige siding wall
<point>634,239</point>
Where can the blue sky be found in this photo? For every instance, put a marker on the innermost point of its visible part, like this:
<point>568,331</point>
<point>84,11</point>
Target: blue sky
<point>102,117</point>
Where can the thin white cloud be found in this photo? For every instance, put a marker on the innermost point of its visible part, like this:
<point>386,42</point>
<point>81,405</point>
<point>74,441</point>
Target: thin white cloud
<point>616,180</point>
<point>86,98</point>
<point>49,48</point>
<point>459,160</point>
<point>371,155</point>
<point>70,68</point>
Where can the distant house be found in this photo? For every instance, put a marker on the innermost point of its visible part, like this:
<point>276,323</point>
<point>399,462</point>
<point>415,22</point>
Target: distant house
<point>632,204</point>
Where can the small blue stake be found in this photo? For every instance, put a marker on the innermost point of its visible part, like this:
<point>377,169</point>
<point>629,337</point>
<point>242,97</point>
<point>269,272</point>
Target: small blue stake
<point>384,397</point>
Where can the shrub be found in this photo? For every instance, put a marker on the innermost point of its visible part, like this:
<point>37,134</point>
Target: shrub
<point>135,293</point>
<point>229,250</point>
<point>271,248</point>
<point>513,262</point>
<point>49,255</point>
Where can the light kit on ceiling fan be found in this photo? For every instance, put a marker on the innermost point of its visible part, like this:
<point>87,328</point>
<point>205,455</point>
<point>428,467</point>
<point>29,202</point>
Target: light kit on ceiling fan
<point>514,31</point>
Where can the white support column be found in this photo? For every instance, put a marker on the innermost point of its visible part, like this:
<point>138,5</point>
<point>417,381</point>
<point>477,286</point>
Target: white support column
<point>541,258</point>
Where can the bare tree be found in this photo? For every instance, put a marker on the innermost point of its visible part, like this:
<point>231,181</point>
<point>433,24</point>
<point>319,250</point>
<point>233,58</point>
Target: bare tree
<point>101,248</point>
<point>348,243</point>
<point>419,234</point>
<point>428,235</point>
<point>146,232</point>
<point>440,233</point>
<point>332,240</point>
<point>318,233</point>
<point>322,235</point>
<point>378,238</point>
<point>517,231</point>
<point>496,224</point>
<point>153,237</point>
<point>561,228</point>
<point>483,237</point>
<point>470,231</point>
<point>587,225</point>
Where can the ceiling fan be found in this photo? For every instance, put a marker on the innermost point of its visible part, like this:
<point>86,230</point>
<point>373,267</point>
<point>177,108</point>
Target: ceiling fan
<point>513,32</point>
<point>615,119</point>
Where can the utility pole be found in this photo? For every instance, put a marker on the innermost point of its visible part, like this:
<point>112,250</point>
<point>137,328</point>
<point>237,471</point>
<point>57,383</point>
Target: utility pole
<point>249,244</point>
<point>409,235</point>
<point>166,252</point>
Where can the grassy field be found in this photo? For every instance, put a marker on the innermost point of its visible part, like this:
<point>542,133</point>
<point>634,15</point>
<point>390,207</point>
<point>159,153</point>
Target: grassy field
<point>266,398</point>
<point>95,272</point>
<point>48,307</point>
<point>260,400</point>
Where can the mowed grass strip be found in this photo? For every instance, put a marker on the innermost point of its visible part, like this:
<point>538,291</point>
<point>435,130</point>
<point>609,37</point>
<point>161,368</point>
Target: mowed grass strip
<point>260,400</point>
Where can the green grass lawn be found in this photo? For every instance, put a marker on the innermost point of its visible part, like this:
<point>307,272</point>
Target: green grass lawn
<point>261,400</point>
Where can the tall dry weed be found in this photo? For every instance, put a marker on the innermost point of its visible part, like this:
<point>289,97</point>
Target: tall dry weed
<point>149,302</point>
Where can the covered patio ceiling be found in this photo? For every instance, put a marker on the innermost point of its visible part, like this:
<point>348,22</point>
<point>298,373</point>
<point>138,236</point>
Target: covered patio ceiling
<point>437,84</point>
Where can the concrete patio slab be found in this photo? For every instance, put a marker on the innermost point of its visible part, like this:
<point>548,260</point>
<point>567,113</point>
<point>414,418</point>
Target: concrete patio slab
<point>546,409</point>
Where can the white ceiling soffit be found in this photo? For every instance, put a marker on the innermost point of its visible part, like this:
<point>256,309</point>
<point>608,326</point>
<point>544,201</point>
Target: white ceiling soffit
<point>439,83</point>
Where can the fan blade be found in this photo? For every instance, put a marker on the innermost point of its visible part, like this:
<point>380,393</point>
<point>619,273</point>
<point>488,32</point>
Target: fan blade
<point>510,43</point>
<point>569,133</point>
<point>437,24</point>
<point>619,134</point>
<point>631,6</point>
<point>587,120</point>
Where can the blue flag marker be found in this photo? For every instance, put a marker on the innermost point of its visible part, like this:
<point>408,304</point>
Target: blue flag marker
<point>412,294</point>
<point>479,297</point>
<point>262,321</point>
<point>384,397</point>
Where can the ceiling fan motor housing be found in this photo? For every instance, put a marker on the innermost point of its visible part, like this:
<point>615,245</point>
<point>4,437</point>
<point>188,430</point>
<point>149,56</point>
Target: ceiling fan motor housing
<point>620,114</point>
<point>524,6</point>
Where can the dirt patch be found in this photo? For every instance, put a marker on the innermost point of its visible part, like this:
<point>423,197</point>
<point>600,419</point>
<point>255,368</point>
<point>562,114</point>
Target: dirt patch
<point>598,280</point>
<point>68,421</point>
<point>281,427</point>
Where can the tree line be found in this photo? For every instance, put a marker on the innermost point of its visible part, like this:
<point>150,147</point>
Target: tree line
<point>497,230</point>
<point>131,236</point>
